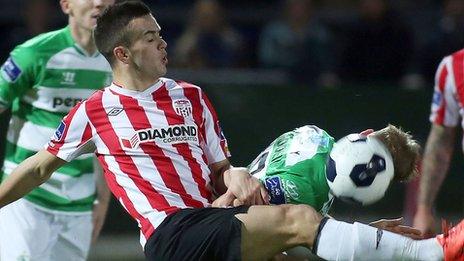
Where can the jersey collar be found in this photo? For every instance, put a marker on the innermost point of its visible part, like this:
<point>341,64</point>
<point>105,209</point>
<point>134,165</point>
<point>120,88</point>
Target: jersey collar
<point>119,89</point>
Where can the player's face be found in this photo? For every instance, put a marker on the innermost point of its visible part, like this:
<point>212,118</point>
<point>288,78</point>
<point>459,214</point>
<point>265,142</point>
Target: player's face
<point>148,49</point>
<point>84,13</point>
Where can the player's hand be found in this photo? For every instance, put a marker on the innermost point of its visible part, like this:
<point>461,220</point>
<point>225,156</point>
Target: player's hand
<point>395,226</point>
<point>242,189</point>
<point>98,219</point>
<point>225,201</point>
<point>425,222</point>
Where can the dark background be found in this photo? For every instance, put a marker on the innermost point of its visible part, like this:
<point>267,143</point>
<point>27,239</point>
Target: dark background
<point>255,109</point>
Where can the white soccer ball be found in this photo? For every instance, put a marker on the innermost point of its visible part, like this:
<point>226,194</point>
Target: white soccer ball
<point>359,169</point>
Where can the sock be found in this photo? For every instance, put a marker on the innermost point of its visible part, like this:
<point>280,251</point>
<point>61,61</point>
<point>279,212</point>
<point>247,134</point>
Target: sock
<point>344,241</point>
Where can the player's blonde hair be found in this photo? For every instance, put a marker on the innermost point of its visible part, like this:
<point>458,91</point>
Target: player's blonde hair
<point>404,149</point>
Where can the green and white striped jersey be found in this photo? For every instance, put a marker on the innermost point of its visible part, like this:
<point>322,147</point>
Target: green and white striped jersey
<point>292,168</point>
<point>41,81</point>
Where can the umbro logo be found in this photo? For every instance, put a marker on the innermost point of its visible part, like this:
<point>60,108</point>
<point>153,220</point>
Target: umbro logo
<point>115,111</point>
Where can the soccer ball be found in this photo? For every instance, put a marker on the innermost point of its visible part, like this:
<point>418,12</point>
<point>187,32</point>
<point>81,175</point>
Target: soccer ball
<point>359,169</point>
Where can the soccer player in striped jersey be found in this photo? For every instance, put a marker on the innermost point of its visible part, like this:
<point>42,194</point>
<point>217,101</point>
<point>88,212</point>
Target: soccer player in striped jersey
<point>447,112</point>
<point>41,81</point>
<point>164,156</point>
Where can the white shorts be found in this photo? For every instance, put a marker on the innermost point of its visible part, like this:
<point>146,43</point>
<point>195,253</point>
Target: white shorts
<point>29,233</point>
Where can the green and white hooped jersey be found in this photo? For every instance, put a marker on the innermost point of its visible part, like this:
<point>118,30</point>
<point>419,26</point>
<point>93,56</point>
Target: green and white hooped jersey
<point>293,167</point>
<point>41,81</point>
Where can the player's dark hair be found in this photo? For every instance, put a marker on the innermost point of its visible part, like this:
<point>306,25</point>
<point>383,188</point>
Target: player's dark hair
<point>404,149</point>
<point>113,28</point>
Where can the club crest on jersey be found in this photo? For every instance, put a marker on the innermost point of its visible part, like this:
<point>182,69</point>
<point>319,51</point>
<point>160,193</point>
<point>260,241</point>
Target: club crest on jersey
<point>59,132</point>
<point>183,107</point>
<point>170,135</point>
<point>10,70</point>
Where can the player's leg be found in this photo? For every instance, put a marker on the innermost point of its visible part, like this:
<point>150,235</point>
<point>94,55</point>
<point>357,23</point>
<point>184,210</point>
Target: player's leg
<point>197,234</point>
<point>74,238</point>
<point>340,240</point>
<point>26,233</point>
<point>270,230</point>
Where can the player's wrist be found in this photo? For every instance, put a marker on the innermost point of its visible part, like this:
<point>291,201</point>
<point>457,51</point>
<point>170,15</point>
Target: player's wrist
<point>236,172</point>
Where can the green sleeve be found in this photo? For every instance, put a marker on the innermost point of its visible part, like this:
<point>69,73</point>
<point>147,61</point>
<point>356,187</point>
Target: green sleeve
<point>293,188</point>
<point>17,74</point>
<point>290,189</point>
<point>298,191</point>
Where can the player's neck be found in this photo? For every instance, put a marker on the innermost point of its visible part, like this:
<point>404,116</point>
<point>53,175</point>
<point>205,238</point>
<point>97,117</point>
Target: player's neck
<point>84,38</point>
<point>131,81</point>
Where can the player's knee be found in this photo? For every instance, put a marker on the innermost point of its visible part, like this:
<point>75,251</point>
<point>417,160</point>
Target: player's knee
<point>303,214</point>
<point>302,222</point>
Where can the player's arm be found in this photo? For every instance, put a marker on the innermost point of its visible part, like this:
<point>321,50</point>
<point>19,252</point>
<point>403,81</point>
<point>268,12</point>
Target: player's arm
<point>445,118</point>
<point>396,226</point>
<point>218,170</point>
<point>435,164</point>
<point>17,76</point>
<point>233,183</point>
<point>29,174</point>
<point>236,186</point>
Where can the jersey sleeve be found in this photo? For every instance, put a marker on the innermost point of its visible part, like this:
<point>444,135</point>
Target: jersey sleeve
<point>216,148</point>
<point>73,136</point>
<point>17,74</point>
<point>290,188</point>
<point>445,107</point>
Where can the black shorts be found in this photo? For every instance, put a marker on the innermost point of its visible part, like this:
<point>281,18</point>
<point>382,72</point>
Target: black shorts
<point>197,234</point>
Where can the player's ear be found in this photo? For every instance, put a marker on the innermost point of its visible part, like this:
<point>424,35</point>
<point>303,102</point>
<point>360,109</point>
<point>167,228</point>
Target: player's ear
<point>65,6</point>
<point>122,54</point>
<point>366,132</point>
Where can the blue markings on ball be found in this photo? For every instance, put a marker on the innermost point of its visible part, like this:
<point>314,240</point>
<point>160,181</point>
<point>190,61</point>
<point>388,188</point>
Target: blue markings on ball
<point>330,170</point>
<point>364,174</point>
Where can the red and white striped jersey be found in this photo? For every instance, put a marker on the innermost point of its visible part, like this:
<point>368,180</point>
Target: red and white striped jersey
<point>154,146</point>
<point>448,97</point>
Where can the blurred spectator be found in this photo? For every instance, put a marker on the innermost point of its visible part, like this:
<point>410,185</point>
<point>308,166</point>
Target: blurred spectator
<point>446,38</point>
<point>298,43</point>
<point>208,41</point>
<point>379,45</point>
<point>36,16</point>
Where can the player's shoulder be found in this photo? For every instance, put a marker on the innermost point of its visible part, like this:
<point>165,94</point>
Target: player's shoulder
<point>458,56</point>
<point>314,133</point>
<point>95,98</point>
<point>311,129</point>
<point>180,84</point>
<point>49,42</point>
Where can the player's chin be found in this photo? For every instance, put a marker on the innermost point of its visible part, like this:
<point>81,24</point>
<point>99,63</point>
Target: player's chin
<point>90,26</point>
<point>163,70</point>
